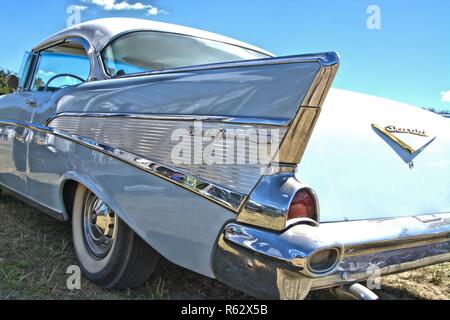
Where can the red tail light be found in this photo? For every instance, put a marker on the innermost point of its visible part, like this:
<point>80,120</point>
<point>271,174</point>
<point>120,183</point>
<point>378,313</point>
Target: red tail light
<point>303,206</point>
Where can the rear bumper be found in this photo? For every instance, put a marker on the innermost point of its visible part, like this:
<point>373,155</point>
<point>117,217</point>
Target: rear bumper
<point>284,265</point>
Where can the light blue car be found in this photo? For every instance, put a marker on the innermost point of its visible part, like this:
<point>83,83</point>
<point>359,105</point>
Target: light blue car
<point>160,140</point>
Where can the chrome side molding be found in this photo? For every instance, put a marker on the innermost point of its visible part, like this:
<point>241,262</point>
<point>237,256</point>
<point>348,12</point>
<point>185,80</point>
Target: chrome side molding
<point>227,198</point>
<point>162,140</point>
<point>278,122</point>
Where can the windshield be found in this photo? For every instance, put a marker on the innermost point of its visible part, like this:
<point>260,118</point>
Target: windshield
<point>151,51</point>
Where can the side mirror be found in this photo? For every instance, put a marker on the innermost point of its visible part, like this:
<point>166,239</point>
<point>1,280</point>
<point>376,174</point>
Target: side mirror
<point>12,81</point>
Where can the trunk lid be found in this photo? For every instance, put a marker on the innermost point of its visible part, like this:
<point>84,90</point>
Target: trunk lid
<point>372,158</point>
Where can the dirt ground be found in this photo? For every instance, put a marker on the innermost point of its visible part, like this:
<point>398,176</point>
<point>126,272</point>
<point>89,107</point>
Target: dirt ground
<point>36,250</point>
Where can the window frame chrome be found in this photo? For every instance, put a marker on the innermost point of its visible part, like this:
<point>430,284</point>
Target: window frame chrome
<point>29,72</point>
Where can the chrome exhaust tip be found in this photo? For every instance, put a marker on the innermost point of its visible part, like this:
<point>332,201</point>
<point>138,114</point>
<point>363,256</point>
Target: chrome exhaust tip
<point>303,247</point>
<point>324,261</point>
<point>271,265</point>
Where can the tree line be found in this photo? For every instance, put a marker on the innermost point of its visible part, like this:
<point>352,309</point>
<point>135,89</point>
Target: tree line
<point>3,87</point>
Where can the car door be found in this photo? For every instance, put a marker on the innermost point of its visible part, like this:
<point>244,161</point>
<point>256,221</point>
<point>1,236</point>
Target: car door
<point>59,70</point>
<point>16,110</point>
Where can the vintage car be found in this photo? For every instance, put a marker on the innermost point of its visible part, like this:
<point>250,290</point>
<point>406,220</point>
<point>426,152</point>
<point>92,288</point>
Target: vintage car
<point>113,126</point>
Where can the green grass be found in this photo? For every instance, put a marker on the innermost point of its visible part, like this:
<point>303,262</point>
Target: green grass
<point>35,251</point>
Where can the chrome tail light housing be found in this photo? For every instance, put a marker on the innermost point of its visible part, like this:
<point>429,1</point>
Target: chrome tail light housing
<point>280,200</point>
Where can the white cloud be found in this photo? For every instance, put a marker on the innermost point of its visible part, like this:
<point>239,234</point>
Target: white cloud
<point>113,5</point>
<point>46,73</point>
<point>445,96</point>
<point>155,11</point>
<point>75,7</point>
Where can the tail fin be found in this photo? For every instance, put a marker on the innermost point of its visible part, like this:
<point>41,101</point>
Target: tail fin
<point>135,119</point>
<point>302,125</point>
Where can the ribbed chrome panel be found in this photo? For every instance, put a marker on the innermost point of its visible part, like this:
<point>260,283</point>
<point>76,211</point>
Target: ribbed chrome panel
<point>154,139</point>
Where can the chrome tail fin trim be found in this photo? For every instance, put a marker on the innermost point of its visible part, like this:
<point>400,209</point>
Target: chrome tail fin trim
<point>256,211</point>
<point>302,126</point>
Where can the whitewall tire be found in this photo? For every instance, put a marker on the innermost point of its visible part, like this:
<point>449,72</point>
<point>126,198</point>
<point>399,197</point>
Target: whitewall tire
<point>109,253</point>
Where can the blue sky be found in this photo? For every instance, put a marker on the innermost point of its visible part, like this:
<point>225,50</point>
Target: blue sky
<point>407,60</point>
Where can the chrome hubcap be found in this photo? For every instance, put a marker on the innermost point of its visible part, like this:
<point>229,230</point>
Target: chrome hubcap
<point>99,224</point>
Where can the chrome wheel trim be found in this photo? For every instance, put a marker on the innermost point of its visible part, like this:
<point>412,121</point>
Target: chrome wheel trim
<point>99,226</point>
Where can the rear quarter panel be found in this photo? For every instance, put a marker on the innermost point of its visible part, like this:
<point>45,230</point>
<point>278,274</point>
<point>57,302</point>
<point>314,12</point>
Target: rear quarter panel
<point>182,227</point>
<point>358,174</point>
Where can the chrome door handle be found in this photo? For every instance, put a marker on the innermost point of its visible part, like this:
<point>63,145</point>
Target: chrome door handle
<point>31,103</point>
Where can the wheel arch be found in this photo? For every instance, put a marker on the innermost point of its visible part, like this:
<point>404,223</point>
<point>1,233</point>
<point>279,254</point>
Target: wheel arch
<point>165,243</point>
<point>67,188</point>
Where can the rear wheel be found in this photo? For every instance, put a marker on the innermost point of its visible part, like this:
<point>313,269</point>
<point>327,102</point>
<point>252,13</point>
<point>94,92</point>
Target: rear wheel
<point>109,253</point>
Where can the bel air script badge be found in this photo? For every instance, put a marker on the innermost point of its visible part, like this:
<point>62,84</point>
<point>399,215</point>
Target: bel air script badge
<point>394,129</point>
<point>410,140</point>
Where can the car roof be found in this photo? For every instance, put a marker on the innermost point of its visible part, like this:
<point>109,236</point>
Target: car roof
<point>100,31</point>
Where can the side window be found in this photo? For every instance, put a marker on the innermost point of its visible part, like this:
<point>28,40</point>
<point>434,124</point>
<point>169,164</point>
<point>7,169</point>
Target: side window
<point>143,51</point>
<point>61,66</point>
<point>25,69</point>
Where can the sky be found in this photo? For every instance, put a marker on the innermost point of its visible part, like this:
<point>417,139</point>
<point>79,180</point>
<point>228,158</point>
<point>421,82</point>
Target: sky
<point>397,49</point>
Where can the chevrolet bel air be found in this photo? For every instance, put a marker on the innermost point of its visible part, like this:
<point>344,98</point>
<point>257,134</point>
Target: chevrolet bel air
<point>160,140</point>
